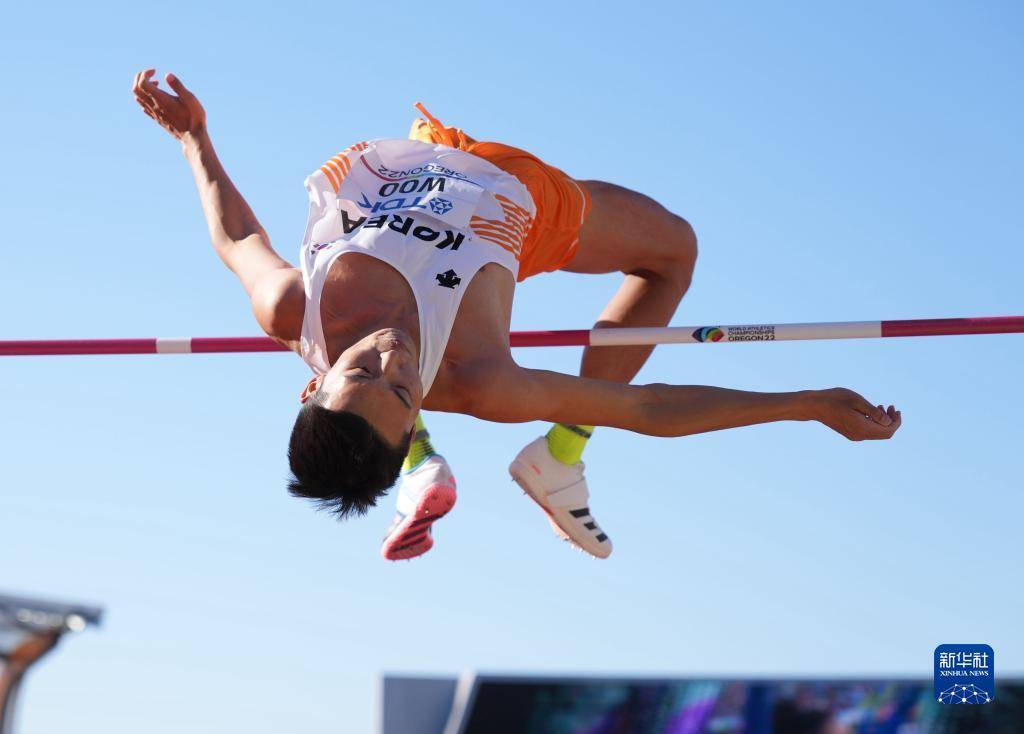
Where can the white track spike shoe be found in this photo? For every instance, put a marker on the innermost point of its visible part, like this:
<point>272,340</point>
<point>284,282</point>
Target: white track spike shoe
<point>561,491</point>
<point>426,495</point>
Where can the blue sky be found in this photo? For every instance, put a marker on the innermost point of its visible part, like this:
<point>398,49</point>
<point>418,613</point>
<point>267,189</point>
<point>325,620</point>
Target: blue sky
<point>838,163</point>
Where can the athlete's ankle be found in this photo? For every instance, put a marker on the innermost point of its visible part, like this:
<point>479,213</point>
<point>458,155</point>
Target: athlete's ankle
<point>420,449</point>
<point>566,441</point>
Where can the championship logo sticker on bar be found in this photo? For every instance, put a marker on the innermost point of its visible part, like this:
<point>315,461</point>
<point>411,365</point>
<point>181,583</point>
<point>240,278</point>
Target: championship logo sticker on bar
<point>964,674</point>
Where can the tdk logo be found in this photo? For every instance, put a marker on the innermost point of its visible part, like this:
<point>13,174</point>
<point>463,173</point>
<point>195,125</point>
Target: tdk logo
<point>388,205</point>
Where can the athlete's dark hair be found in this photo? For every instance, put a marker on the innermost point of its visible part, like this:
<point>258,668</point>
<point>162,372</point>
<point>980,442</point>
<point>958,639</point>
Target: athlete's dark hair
<point>340,461</point>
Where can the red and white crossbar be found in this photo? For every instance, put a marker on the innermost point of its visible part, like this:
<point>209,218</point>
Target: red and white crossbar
<point>568,338</point>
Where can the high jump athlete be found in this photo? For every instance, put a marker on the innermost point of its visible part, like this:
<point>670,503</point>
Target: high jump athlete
<point>402,301</point>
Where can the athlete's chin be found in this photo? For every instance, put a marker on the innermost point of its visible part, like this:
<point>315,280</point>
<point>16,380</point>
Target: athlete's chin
<point>395,337</point>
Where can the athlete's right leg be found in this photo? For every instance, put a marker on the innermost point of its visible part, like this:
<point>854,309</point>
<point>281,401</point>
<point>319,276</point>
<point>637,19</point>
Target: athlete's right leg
<point>426,494</point>
<point>655,250</point>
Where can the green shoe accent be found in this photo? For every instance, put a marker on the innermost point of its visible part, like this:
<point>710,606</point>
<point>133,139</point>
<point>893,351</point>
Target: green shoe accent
<point>420,449</point>
<point>566,441</point>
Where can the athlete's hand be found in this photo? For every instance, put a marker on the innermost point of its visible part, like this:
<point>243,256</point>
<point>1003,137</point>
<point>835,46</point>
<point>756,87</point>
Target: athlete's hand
<point>180,116</point>
<point>847,413</point>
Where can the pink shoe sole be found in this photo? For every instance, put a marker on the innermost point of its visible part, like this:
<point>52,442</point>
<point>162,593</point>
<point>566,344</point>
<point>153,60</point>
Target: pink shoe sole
<point>412,536</point>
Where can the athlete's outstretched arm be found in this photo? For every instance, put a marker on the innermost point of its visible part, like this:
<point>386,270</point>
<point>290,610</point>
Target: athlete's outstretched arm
<point>672,410</point>
<point>237,236</point>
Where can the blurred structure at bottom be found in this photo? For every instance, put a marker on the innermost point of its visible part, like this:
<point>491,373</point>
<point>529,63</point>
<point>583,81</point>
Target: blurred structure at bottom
<point>30,628</point>
<point>494,704</point>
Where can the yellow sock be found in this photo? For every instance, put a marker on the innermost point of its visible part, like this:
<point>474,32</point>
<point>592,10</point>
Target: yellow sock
<point>420,449</point>
<point>566,441</point>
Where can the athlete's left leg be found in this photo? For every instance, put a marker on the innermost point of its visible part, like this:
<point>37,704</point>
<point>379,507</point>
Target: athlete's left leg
<point>656,251</point>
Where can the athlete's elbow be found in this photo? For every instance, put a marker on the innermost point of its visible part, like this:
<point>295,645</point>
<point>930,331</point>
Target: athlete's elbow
<point>277,301</point>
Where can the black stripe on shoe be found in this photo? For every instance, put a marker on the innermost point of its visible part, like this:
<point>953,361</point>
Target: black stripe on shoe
<point>590,525</point>
<point>580,513</point>
<point>576,429</point>
<point>602,538</point>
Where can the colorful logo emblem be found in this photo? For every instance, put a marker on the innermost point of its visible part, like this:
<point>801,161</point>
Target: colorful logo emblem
<point>709,334</point>
<point>964,674</point>
<point>440,206</point>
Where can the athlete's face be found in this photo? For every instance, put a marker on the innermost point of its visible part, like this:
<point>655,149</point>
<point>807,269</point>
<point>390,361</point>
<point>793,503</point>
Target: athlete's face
<point>377,378</point>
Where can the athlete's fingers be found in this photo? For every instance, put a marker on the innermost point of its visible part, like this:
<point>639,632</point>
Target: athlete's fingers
<point>875,430</point>
<point>138,88</point>
<point>143,89</point>
<point>160,96</point>
<point>151,87</point>
<point>154,111</point>
<point>145,102</point>
<point>137,81</point>
<point>141,93</point>
<point>181,90</point>
<point>893,424</point>
<point>175,84</point>
<point>864,407</point>
<point>144,82</point>
<point>149,106</point>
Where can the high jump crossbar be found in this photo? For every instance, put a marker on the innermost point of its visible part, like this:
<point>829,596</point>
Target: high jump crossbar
<point>567,338</point>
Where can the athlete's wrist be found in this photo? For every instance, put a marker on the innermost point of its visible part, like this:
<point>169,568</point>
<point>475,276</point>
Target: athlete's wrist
<point>194,142</point>
<point>806,405</point>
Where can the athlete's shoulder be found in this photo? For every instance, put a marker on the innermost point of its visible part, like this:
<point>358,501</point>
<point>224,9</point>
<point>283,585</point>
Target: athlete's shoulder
<point>279,303</point>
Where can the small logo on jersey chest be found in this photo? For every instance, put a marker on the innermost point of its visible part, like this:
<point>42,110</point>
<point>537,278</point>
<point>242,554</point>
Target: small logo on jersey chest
<point>440,206</point>
<point>448,279</point>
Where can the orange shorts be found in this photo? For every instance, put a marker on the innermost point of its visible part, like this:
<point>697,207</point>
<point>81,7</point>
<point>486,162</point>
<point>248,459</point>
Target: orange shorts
<point>562,203</point>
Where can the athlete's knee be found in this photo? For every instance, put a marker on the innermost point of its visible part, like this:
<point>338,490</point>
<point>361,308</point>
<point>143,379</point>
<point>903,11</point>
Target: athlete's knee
<point>684,242</point>
<point>680,249</point>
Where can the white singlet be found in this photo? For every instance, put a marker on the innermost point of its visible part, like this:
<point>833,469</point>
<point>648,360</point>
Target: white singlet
<point>433,213</point>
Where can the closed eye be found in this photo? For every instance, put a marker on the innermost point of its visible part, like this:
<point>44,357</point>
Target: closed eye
<point>402,394</point>
<point>361,373</point>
